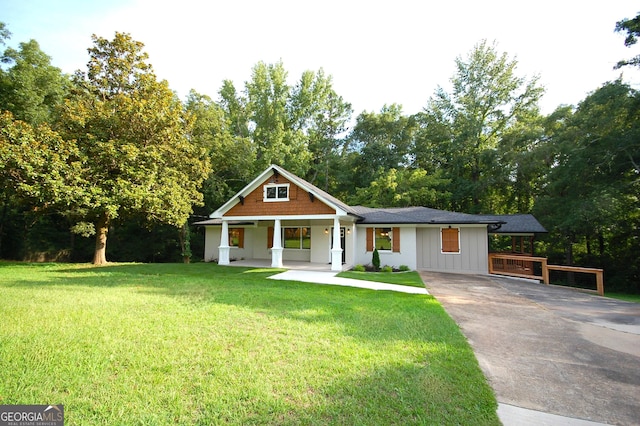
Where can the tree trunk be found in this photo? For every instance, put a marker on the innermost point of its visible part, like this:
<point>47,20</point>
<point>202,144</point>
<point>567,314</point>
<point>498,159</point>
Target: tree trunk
<point>3,218</point>
<point>601,244</point>
<point>571,277</point>
<point>185,244</point>
<point>102,228</point>
<point>568,251</point>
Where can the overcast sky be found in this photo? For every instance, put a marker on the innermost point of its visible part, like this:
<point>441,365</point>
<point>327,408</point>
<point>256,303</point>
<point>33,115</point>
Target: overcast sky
<point>378,52</point>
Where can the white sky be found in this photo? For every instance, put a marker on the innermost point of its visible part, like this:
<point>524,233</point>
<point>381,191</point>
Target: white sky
<point>378,52</point>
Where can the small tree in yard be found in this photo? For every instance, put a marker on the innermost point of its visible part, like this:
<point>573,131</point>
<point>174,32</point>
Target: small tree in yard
<point>376,260</point>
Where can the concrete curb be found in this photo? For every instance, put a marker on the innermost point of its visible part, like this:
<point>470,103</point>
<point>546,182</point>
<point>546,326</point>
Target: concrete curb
<point>511,415</point>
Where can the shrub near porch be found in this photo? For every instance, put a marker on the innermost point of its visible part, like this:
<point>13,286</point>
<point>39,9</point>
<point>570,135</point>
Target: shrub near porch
<point>206,344</point>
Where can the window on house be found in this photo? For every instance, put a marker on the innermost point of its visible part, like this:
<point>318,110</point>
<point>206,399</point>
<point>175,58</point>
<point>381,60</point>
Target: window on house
<point>382,238</point>
<point>387,239</point>
<point>274,192</point>
<point>236,237</point>
<point>296,238</point>
<point>450,240</point>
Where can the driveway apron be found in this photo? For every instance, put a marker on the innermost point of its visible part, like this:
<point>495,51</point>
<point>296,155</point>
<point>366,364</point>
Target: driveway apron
<point>547,348</point>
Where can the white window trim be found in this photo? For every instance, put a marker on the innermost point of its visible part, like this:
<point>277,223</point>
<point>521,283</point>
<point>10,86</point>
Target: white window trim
<point>459,246</point>
<point>275,185</point>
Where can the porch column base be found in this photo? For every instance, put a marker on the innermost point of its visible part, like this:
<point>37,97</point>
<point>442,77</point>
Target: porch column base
<point>223,255</point>
<point>276,257</point>
<point>336,259</point>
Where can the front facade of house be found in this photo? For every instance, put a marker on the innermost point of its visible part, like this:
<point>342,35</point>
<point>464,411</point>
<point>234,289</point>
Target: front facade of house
<point>281,217</point>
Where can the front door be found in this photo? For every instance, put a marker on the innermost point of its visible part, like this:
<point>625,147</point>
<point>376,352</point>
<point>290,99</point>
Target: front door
<point>343,244</point>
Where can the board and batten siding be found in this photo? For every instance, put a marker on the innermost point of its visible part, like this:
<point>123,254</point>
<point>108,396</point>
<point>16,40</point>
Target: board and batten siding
<point>473,256</point>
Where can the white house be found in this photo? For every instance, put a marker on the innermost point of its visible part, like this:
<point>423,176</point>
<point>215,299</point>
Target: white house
<point>281,217</point>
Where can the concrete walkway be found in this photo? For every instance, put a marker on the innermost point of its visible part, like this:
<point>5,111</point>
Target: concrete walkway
<point>329,278</point>
<point>554,356</point>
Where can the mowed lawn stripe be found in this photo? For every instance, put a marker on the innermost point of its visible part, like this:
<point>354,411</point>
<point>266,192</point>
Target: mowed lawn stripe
<point>205,344</point>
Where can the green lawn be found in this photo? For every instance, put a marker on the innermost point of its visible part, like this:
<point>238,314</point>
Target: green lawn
<point>624,296</point>
<point>411,278</point>
<point>207,344</point>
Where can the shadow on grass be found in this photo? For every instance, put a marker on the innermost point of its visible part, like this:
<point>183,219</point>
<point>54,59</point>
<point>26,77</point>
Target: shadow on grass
<point>401,394</point>
<point>367,314</point>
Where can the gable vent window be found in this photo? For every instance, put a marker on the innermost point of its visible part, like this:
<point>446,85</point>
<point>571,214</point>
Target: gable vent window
<point>274,192</point>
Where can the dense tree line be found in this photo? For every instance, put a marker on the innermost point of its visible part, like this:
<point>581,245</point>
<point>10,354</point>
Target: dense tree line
<point>112,150</point>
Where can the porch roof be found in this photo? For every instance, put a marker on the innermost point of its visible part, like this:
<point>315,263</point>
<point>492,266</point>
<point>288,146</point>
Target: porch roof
<point>501,224</point>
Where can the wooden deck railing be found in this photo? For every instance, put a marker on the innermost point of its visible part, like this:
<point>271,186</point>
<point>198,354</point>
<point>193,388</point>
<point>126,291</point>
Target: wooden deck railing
<point>523,267</point>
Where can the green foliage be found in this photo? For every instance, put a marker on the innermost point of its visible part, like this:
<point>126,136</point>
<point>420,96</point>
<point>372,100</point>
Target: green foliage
<point>132,135</point>
<point>463,133</point>
<point>375,261</point>
<point>320,115</point>
<point>404,188</point>
<point>590,201</point>
<point>632,29</point>
<point>386,268</point>
<point>231,153</point>
<point>37,166</point>
<point>31,88</point>
<point>84,229</point>
<point>359,268</point>
<point>403,268</point>
<point>295,127</point>
<point>378,143</point>
<point>274,138</point>
<point>5,34</point>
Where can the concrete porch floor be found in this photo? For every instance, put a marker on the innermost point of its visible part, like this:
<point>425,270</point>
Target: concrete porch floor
<point>287,264</point>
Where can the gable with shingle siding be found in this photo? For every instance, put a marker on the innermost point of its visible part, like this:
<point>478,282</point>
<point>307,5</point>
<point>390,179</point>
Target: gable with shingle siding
<point>299,203</point>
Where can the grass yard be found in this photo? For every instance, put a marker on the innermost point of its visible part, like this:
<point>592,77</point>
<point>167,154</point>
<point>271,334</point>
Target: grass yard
<point>624,296</point>
<point>159,344</point>
<point>410,278</point>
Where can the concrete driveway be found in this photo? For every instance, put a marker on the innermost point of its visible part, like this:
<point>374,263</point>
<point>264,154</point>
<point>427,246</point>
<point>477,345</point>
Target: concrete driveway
<point>548,349</point>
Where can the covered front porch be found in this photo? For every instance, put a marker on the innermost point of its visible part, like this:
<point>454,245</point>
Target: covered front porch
<point>319,243</point>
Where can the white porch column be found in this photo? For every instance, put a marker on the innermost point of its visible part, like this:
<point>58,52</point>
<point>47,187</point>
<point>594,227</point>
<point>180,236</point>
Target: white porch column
<point>223,249</point>
<point>336,249</point>
<point>276,249</point>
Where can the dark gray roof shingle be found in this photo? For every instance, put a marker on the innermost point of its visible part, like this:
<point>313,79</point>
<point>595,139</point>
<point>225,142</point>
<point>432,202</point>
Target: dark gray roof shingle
<point>418,215</point>
<point>517,224</point>
<point>509,224</point>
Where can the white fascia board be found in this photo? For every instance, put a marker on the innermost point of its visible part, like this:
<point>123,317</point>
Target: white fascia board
<point>295,180</point>
<point>452,224</point>
<point>284,217</point>
<point>386,225</point>
<point>218,214</point>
